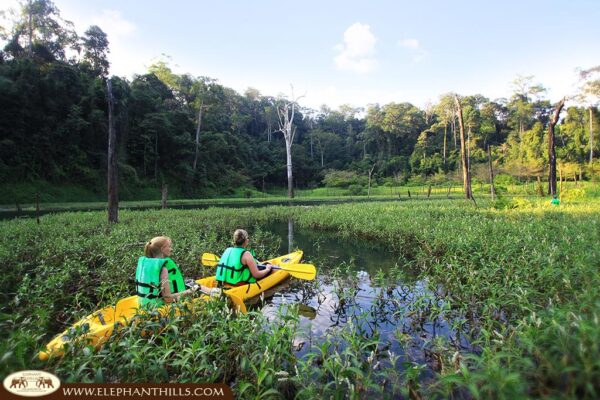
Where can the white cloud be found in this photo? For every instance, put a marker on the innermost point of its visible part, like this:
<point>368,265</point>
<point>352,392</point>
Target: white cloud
<point>125,58</point>
<point>356,53</point>
<point>413,45</point>
<point>114,24</point>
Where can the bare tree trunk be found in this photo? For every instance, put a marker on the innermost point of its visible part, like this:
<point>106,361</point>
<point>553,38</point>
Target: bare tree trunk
<point>560,180</point>
<point>198,134</point>
<point>113,186</point>
<point>445,134</point>
<point>164,191</point>
<point>591,138</point>
<point>286,119</point>
<point>469,148</point>
<point>290,177</point>
<point>454,131</point>
<point>492,189</point>
<point>551,149</point>
<point>370,175</point>
<point>463,152</point>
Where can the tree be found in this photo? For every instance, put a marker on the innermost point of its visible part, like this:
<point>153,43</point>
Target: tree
<point>286,111</point>
<point>326,141</point>
<point>463,151</point>
<point>446,112</point>
<point>95,47</point>
<point>591,94</point>
<point>42,32</point>
<point>551,149</point>
<point>522,102</point>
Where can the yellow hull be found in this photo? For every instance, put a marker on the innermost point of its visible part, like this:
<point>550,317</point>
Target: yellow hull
<point>97,327</point>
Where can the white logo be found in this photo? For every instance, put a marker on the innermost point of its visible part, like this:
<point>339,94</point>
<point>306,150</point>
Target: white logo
<point>31,383</point>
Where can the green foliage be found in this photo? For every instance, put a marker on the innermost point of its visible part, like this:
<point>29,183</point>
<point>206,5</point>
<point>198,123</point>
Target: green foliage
<point>525,299</point>
<point>573,194</point>
<point>504,179</point>
<point>356,190</point>
<point>343,179</point>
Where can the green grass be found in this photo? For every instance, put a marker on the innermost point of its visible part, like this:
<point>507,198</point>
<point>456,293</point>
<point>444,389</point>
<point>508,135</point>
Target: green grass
<point>517,277</point>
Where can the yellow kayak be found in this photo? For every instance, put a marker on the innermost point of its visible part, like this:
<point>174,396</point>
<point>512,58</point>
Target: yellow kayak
<point>97,327</point>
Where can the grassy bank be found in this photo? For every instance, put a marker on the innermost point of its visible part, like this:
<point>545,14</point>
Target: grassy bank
<point>73,198</point>
<point>518,278</point>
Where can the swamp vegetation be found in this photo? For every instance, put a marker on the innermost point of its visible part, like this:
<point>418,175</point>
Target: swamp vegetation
<point>513,285</point>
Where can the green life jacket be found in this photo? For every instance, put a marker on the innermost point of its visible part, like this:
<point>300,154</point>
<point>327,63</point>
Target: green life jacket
<point>230,268</point>
<point>147,279</point>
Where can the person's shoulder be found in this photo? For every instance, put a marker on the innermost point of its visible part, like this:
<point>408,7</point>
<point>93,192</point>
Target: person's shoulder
<point>169,262</point>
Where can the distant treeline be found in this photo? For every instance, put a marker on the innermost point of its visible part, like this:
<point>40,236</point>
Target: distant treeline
<point>54,126</point>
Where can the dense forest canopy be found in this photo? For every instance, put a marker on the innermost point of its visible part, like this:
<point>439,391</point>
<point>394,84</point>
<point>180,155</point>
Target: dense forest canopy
<point>54,125</point>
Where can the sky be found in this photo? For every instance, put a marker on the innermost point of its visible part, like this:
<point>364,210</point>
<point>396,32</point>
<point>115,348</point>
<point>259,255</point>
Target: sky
<point>352,52</point>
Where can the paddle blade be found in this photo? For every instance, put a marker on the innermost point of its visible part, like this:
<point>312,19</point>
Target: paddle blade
<point>209,260</point>
<point>306,272</point>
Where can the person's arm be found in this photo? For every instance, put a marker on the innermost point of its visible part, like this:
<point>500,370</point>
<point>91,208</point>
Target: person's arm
<point>166,288</point>
<point>248,260</point>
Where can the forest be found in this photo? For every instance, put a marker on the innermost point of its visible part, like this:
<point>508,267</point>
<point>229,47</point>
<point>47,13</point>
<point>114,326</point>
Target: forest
<point>204,139</point>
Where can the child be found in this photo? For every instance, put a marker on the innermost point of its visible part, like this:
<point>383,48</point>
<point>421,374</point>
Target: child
<point>158,279</point>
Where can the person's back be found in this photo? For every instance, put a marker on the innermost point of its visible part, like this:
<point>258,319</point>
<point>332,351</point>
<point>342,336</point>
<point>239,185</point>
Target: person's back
<point>148,279</point>
<point>231,269</point>
<point>158,279</point>
<point>237,265</point>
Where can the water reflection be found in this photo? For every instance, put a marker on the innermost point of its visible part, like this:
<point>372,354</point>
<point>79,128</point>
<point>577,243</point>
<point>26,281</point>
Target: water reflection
<point>351,287</point>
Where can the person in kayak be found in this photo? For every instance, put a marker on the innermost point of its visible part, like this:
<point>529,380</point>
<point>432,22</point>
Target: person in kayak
<point>158,279</point>
<point>237,265</point>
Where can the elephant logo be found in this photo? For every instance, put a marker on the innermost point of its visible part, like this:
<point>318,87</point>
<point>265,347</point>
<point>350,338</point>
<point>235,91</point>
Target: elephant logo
<point>31,383</point>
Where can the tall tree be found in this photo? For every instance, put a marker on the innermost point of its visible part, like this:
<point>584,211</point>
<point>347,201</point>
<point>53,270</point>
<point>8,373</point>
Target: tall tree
<point>95,47</point>
<point>446,112</point>
<point>522,101</point>
<point>463,151</point>
<point>286,111</point>
<point>42,31</point>
<point>591,95</point>
<point>551,150</point>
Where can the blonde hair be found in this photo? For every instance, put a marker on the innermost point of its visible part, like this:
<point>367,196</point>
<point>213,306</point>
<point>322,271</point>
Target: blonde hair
<point>154,247</point>
<point>239,237</point>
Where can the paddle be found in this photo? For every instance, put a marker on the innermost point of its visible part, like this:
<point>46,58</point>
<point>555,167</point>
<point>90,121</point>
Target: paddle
<point>300,271</point>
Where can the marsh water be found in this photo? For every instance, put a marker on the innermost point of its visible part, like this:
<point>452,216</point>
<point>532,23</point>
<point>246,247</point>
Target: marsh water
<point>350,288</point>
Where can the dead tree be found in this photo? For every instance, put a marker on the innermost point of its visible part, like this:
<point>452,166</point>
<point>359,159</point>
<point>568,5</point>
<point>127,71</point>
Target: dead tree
<point>463,152</point>
<point>286,112</point>
<point>113,183</point>
<point>551,149</point>
<point>492,189</point>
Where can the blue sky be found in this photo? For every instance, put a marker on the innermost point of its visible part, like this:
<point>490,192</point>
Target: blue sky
<point>354,52</point>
